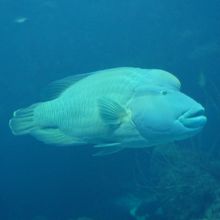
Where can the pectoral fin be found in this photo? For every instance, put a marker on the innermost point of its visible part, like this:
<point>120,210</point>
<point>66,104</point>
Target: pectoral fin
<point>108,149</point>
<point>112,112</point>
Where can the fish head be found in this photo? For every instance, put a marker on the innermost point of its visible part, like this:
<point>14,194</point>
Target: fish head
<point>163,114</point>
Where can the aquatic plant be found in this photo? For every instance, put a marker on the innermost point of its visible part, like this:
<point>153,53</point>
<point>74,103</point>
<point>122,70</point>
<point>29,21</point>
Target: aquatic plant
<point>181,182</point>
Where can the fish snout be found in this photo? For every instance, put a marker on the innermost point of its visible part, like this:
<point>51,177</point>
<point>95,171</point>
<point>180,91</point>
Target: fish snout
<point>194,118</point>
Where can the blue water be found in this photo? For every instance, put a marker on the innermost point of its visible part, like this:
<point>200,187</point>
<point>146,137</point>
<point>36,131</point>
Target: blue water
<point>44,40</point>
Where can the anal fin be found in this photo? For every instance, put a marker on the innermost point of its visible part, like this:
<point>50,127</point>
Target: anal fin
<point>55,136</point>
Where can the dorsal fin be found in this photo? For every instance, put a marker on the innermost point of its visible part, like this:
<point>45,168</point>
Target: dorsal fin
<point>56,88</point>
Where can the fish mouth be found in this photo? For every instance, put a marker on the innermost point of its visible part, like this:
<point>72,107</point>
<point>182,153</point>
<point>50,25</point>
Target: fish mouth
<point>193,118</point>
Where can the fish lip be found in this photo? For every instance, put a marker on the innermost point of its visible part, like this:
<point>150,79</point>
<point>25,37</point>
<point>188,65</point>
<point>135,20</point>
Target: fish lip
<point>193,119</point>
<point>193,113</point>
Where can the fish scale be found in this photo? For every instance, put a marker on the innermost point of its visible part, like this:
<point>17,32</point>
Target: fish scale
<point>112,109</point>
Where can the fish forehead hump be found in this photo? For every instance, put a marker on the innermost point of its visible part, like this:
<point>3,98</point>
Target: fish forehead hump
<point>163,78</point>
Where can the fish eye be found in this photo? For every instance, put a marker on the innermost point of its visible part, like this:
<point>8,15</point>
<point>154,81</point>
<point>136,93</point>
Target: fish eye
<point>163,92</point>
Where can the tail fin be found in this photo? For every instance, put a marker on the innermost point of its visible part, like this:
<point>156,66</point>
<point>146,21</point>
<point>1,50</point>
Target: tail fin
<point>23,121</point>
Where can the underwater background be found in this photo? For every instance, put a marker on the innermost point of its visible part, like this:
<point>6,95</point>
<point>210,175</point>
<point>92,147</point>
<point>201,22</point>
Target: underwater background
<point>45,40</point>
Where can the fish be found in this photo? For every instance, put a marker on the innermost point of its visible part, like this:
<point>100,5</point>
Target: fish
<point>112,109</point>
<point>20,20</point>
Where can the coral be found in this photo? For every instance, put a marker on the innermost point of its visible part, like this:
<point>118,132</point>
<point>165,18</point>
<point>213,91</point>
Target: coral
<point>181,185</point>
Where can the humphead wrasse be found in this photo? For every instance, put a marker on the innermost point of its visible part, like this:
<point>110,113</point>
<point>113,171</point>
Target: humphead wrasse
<point>113,109</point>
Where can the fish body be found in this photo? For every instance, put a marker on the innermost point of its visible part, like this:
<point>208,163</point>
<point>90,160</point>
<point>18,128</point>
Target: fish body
<point>113,108</point>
